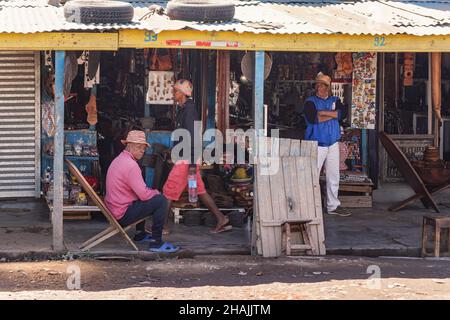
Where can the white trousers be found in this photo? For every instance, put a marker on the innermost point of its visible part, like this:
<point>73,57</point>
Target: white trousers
<point>330,156</point>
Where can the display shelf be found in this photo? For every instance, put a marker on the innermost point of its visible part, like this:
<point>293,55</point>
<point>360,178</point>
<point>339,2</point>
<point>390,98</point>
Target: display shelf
<point>290,81</point>
<point>71,158</point>
<point>74,212</point>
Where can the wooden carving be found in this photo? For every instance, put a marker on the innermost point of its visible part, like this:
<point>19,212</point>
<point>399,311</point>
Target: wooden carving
<point>344,64</point>
<point>408,65</point>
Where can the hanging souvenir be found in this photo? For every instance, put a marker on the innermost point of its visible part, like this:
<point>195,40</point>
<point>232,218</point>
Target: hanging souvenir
<point>408,68</point>
<point>364,90</point>
<point>48,117</point>
<point>344,65</point>
<point>91,109</point>
<point>160,62</point>
<point>91,61</point>
<point>160,89</point>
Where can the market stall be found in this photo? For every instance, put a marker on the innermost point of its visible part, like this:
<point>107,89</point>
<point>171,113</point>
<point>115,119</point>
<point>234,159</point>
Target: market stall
<point>290,81</point>
<point>132,89</point>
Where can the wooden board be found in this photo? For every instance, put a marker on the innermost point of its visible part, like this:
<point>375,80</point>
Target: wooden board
<point>279,208</point>
<point>355,188</point>
<point>285,147</point>
<point>265,212</point>
<point>77,215</point>
<point>295,148</point>
<point>318,203</point>
<point>356,201</point>
<point>291,192</point>
<point>310,201</point>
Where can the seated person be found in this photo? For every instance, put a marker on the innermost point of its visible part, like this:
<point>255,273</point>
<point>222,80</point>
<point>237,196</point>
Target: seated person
<point>129,199</point>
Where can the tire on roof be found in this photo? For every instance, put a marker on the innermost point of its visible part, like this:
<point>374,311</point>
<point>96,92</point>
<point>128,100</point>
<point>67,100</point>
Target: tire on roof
<point>200,10</point>
<point>103,11</point>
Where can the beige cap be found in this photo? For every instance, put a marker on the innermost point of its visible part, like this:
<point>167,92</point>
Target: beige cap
<point>322,78</point>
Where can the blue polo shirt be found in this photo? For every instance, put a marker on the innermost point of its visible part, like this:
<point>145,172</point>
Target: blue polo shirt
<point>328,132</point>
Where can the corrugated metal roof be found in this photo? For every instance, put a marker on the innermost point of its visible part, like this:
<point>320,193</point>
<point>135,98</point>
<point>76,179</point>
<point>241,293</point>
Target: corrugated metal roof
<point>273,16</point>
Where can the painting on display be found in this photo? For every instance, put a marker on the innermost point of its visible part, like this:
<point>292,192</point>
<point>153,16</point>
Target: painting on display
<point>364,90</point>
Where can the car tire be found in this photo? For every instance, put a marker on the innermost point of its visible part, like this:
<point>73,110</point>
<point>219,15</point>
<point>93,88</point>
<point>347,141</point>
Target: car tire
<point>200,11</point>
<point>98,11</point>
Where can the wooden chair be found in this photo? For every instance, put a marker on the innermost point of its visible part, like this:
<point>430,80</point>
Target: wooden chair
<point>114,227</point>
<point>290,226</point>
<point>437,224</point>
<point>422,192</point>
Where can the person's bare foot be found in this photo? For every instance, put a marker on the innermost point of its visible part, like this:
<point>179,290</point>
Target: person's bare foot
<point>221,224</point>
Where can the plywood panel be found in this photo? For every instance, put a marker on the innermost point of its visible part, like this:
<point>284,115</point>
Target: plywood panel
<point>295,148</point>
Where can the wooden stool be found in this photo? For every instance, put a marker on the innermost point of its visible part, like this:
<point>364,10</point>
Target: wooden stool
<point>437,223</point>
<point>290,226</point>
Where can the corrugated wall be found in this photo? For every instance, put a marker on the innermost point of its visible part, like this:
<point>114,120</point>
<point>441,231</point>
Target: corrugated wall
<point>19,124</point>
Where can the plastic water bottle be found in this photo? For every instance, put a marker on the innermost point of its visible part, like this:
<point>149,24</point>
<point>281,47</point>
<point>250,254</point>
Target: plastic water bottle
<point>192,185</point>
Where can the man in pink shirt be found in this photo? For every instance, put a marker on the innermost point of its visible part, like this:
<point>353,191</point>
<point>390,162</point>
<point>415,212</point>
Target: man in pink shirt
<point>128,197</point>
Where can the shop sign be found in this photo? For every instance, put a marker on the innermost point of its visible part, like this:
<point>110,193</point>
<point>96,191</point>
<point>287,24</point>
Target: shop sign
<point>203,44</point>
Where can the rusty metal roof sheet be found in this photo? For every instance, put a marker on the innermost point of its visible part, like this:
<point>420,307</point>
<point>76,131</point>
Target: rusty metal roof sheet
<point>267,16</point>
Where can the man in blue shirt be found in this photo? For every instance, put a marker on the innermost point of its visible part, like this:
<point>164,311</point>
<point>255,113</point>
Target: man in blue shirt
<point>323,113</point>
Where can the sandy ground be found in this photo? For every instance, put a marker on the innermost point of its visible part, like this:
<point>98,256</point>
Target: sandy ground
<point>228,277</point>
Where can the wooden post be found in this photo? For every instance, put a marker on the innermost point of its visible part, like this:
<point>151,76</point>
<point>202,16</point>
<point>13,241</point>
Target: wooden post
<point>204,87</point>
<point>436,94</point>
<point>211,121</point>
<point>364,147</point>
<point>381,97</point>
<point>223,90</point>
<point>58,160</point>
<point>429,99</point>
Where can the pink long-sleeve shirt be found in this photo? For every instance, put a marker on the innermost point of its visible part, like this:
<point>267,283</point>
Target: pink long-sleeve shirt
<point>124,184</point>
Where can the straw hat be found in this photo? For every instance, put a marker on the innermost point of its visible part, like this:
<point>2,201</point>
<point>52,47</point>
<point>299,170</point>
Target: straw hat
<point>184,86</point>
<point>322,78</point>
<point>136,136</point>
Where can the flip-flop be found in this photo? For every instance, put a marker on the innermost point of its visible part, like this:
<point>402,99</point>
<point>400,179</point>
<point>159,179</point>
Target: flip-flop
<point>223,229</point>
<point>166,247</point>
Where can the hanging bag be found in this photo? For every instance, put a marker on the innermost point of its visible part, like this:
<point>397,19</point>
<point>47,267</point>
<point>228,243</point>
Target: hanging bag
<point>160,63</point>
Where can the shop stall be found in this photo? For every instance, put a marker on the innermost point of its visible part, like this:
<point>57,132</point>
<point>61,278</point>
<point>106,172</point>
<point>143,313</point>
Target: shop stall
<point>131,89</point>
<point>290,81</point>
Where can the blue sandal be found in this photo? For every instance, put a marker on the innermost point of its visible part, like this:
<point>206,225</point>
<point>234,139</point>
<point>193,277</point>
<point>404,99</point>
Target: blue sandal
<point>166,247</point>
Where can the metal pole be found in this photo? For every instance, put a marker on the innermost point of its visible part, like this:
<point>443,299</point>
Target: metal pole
<point>58,160</point>
<point>258,91</point>
<point>258,118</point>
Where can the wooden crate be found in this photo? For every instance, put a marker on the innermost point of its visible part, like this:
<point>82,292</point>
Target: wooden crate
<point>355,195</point>
<point>356,201</point>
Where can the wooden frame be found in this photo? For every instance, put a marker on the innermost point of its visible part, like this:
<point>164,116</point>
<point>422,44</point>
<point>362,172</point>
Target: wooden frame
<point>114,227</point>
<point>421,191</point>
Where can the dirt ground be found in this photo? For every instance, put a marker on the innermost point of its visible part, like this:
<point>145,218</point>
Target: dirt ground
<point>228,277</point>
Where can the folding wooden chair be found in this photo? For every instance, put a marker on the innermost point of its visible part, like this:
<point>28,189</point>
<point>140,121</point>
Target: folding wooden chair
<point>114,227</point>
<point>422,192</point>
